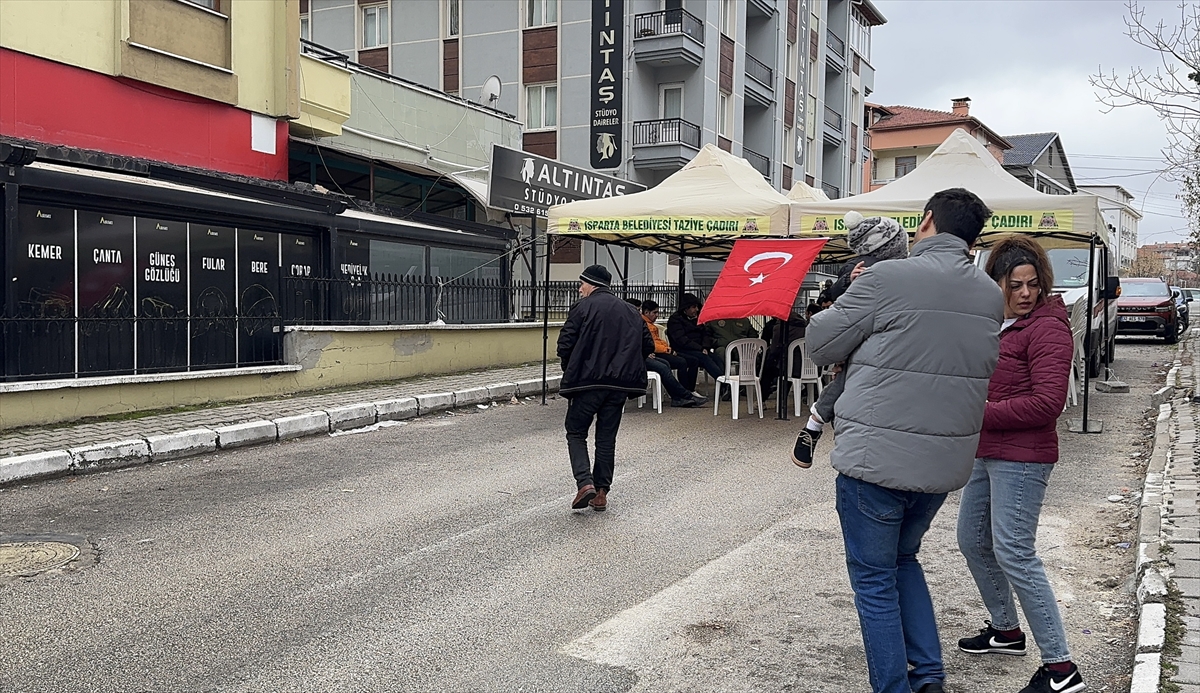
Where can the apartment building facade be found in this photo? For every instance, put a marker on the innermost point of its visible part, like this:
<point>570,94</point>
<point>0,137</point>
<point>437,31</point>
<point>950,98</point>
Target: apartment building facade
<point>1116,205</point>
<point>779,82</point>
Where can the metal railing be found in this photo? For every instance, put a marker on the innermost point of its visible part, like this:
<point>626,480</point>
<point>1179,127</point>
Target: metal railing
<point>833,192</point>
<point>760,163</point>
<point>667,23</point>
<point>833,119</point>
<point>834,44</point>
<point>43,345</point>
<point>760,72</point>
<point>666,131</point>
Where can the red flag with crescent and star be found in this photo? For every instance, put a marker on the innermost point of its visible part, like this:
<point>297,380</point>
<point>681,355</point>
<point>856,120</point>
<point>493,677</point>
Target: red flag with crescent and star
<point>761,277</point>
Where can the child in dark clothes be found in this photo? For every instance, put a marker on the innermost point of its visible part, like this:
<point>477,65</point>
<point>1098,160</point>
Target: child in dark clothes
<point>873,239</point>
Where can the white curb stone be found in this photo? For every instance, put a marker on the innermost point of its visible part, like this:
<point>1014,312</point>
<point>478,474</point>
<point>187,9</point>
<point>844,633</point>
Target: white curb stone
<point>436,401</point>
<point>191,442</point>
<point>302,425</point>
<point>1146,670</point>
<point>471,395</point>
<point>396,409</point>
<point>501,391</point>
<point>116,454</point>
<point>1152,627</point>
<point>35,465</point>
<point>1152,588</point>
<point>527,388</point>
<point>249,433</point>
<point>351,416</point>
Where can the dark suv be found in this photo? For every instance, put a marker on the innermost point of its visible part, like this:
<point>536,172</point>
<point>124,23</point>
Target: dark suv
<point>1147,307</point>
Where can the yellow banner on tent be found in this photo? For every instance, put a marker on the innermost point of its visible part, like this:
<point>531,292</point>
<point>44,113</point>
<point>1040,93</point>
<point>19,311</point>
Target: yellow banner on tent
<point>680,224</point>
<point>1012,221</point>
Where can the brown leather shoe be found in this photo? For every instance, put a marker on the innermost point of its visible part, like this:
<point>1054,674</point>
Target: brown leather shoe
<point>600,502</point>
<point>586,494</point>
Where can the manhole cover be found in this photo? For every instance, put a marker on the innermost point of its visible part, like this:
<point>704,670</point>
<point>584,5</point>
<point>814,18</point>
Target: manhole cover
<point>25,558</point>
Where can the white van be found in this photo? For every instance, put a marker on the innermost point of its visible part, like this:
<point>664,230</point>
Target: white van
<point>1071,280</point>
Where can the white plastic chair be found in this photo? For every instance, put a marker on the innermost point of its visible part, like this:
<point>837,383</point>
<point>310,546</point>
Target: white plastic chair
<point>653,380</point>
<point>810,374</point>
<point>750,355</point>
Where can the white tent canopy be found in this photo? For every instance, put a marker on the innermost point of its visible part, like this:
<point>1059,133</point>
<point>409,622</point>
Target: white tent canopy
<point>803,192</point>
<point>699,210</point>
<point>962,162</point>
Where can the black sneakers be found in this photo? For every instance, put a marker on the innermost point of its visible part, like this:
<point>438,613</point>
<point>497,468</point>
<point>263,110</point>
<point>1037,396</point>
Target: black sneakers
<point>806,442</point>
<point>992,641</point>
<point>1046,681</point>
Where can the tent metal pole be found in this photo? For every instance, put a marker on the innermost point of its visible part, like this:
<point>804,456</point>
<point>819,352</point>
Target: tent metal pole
<point>682,276</point>
<point>780,395</point>
<point>546,319</point>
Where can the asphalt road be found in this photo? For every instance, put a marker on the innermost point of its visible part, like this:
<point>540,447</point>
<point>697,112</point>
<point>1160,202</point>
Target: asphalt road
<point>441,556</point>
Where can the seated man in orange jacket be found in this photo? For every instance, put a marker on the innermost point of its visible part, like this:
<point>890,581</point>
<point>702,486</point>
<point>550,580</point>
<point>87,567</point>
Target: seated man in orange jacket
<point>664,360</point>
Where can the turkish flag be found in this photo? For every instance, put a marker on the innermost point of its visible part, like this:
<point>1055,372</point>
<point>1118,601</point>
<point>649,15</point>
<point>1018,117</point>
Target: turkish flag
<point>761,277</point>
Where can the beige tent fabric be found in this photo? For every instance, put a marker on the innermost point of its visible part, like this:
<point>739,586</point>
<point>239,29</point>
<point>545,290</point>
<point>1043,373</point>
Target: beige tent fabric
<point>962,162</point>
<point>803,192</point>
<point>700,209</point>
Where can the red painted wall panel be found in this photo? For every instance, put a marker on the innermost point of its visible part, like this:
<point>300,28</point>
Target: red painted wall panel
<point>58,104</point>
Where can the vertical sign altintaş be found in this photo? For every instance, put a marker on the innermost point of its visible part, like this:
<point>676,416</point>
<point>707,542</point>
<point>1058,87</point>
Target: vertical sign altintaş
<point>608,41</point>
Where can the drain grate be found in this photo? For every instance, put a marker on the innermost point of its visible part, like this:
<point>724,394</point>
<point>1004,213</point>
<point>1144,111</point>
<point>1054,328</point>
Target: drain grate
<point>27,558</point>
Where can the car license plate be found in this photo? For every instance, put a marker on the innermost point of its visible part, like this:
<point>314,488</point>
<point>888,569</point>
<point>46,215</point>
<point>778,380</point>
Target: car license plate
<point>1133,318</point>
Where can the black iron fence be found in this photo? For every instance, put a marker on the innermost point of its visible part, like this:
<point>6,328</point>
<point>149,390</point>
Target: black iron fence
<point>45,346</point>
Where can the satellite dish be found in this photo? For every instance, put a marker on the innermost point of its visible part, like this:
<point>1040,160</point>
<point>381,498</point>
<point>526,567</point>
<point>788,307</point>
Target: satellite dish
<point>489,93</point>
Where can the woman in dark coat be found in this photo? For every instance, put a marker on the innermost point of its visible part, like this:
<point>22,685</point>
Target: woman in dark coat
<point>998,513</point>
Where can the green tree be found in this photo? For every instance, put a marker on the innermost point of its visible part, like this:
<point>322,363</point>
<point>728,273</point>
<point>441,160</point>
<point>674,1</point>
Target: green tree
<point>1172,89</point>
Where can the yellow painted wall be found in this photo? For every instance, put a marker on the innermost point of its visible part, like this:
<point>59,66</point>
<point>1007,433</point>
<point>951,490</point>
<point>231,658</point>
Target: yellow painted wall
<point>330,359</point>
<point>324,98</point>
<point>76,32</point>
<point>264,44</point>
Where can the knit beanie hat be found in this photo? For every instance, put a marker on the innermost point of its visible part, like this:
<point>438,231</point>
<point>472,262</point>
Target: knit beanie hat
<point>879,237</point>
<point>597,275</point>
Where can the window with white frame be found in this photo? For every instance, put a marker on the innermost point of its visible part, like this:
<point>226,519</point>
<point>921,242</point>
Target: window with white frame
<point>453,16</point>
<point>305,27</point>
<point>725,116</point>
<point>788,154</point>
<point>541,107</point>
<point>374,26</point>
<point>670,100</point>
<point>790,64</point>
<point>727,17</point>
<point>541,12</point>
<point>860,35</point>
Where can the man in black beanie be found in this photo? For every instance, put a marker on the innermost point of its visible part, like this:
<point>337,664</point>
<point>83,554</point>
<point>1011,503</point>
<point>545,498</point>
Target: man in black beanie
<point>603,346</point>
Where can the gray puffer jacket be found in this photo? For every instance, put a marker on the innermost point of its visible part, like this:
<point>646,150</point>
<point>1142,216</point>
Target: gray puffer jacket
<point>920,338</point>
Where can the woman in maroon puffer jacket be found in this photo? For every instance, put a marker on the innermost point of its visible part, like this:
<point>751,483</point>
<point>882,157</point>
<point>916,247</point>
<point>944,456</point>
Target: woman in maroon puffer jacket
<point>999,509</point>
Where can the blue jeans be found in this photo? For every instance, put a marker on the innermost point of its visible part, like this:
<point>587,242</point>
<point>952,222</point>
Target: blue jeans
<point>997,528</point>
<point>670,383</point>
<point>882,530</point>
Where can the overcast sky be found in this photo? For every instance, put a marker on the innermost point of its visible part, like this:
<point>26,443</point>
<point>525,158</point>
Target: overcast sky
<point>1025,66</point>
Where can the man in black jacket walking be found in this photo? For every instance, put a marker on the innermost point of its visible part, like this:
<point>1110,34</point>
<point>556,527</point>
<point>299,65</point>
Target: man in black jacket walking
<point>603,346</point>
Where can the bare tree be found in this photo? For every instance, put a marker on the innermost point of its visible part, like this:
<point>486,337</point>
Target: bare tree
<point>1148,264</point>
<point>1172,89</point>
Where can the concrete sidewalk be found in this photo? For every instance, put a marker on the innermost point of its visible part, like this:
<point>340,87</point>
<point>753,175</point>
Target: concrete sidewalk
<point>32,452</point>
<point>1169,541</point>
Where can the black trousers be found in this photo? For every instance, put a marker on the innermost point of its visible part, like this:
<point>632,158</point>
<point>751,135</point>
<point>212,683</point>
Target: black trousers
<point>605,407</point>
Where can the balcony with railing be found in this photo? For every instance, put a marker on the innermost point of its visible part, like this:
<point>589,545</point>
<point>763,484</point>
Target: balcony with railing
<point>760,87</point>
<point>665,144</point>
<point>832,191</point>
<point>760,163</point>
<point>668,38</point>
<point>833,119</point>
<point>835,52</point>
